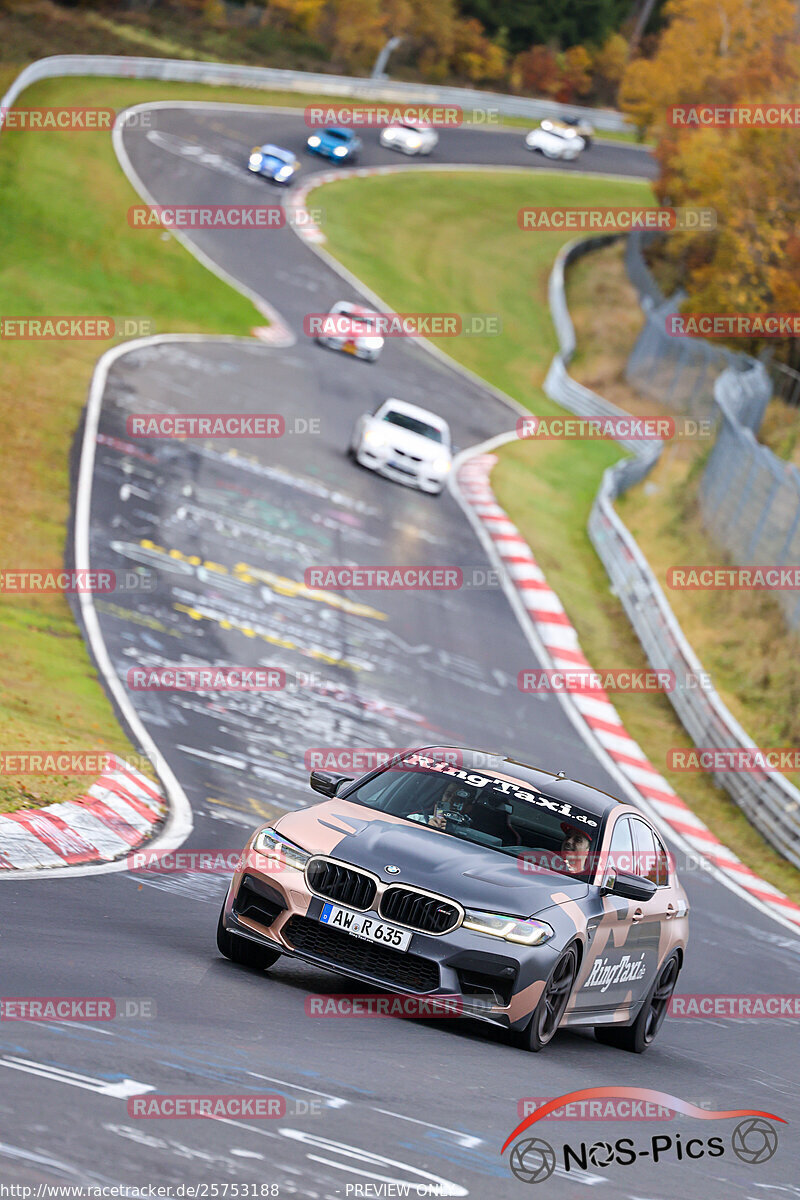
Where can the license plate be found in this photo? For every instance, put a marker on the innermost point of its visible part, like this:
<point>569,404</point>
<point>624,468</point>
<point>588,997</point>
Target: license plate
<point>370,929</point>
<point>349,347</point>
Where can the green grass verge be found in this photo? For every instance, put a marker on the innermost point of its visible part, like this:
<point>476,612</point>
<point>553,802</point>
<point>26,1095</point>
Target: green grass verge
<point>66,248</point>
<point>452,244</point>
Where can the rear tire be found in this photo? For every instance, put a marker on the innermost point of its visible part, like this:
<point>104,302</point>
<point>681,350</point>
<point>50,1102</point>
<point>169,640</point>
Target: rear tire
<point>547,1015</point>
<point>637,1037</point>
<point>242,951</point>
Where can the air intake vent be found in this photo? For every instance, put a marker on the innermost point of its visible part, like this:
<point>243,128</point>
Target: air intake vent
<point>335,881</point>
<point>429,914</point>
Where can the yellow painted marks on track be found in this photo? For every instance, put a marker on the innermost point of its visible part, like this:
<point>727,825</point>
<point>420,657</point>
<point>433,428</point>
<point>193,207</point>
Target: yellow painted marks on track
<point>278,583</point>
<point>285,643</point>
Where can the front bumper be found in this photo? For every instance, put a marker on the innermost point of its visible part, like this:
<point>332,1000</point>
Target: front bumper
<point>416,475</point>
<point>494,981</point>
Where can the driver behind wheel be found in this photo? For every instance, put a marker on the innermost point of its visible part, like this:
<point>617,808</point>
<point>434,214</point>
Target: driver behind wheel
<point>442,808</point>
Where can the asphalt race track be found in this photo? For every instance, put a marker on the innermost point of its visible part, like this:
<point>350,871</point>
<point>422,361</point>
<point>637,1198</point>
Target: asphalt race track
<point>224,527</point>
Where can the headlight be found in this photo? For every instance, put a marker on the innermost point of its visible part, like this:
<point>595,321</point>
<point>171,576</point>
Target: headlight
<point>283,172</point>
<point>415,142</point>
<point>441,463</point>
<point>255,159</point>
<point>313,141</point>
<point>511,929</point>
<point>375,437</point>
<point>270,842</point>
<point>340,151</point>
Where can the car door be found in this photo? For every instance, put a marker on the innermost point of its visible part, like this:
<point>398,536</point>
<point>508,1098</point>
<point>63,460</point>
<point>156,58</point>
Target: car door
<point>619,960</point>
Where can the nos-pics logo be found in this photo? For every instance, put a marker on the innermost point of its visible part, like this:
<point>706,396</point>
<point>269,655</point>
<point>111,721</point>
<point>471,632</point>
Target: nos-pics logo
<point>754,1139</point>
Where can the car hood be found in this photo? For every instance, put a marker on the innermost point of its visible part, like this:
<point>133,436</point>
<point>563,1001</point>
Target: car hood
<point>476,876</point>
<point>411,443</point>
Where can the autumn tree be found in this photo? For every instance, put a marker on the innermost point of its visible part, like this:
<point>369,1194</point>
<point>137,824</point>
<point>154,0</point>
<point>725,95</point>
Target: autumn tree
<point>736,52</point>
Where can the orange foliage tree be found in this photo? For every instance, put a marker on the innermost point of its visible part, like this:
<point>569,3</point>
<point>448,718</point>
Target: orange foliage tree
<point>732,53</point>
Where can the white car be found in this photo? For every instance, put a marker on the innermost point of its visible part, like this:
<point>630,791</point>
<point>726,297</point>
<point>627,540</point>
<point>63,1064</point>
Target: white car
<point>555,139</point>
<point>409,137</point>
<point>353,332</point>
<point>404,443</point>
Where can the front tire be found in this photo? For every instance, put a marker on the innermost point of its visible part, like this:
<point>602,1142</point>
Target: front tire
<point>637,1037</point>
<point>242,951</point>
<point>553,1001</point>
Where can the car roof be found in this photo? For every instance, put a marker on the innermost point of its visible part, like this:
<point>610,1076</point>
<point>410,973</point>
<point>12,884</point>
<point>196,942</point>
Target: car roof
<point>356,309</point>
<point>276,151</point>
<point>582,795</point>
<point>422,414</point>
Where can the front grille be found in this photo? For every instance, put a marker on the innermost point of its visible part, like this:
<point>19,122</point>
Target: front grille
<point>335,881</point>
<point>430,914</point>
<point>258,901</point>
<point>338,949</point>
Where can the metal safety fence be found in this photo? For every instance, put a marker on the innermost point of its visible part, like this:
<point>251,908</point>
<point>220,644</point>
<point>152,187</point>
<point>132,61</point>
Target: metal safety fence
<point>312,83</point>
<point>769,800</point>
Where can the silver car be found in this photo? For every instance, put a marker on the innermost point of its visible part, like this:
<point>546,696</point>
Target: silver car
<point>409,138</point>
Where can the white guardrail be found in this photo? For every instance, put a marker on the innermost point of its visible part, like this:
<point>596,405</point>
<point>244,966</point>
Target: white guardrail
<point>769,801</point>
<point>229,74</point>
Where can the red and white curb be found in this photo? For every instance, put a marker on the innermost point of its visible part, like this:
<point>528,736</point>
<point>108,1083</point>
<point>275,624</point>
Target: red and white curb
<point>560,640</point>
<point>121,810</point>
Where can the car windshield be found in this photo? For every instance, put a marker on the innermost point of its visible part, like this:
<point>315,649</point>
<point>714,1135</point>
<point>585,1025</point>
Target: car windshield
<point>413,425</point>
<point>499,812</point>
<point>339,135</point>
<point>276,152</point>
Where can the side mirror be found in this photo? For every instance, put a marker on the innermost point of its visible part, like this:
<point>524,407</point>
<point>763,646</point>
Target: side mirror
<point>327,782</point>
<point>631,887</point>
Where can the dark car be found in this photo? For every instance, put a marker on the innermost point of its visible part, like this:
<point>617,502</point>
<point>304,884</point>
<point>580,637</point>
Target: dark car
<point>534,900</point>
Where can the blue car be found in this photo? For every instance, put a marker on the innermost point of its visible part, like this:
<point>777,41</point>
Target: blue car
<point>342,145</point>
<point>273,163</point>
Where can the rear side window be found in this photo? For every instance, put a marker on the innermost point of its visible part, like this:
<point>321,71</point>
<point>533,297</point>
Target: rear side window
<point>620,855</point>
<point>650,856</point>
